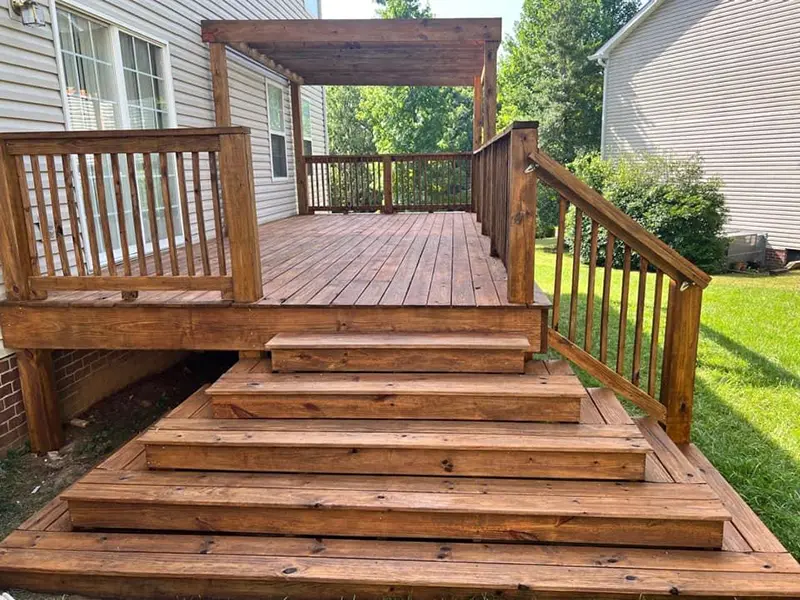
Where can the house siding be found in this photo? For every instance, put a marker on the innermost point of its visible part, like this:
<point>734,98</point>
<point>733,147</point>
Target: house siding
<point>720,78</point>
<point>30,99</point>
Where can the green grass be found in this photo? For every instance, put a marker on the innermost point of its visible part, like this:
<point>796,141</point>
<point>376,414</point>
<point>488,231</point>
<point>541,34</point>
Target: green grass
<point>747,399</point>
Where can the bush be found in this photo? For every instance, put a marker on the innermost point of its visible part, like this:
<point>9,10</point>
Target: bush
<point>669,197</point>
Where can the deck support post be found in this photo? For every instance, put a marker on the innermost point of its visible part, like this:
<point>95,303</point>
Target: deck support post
<point>238,190</point>
<point>680,358</point>
<point>300,176</point>
<point>522,200</point>
<point>477,113</point>
<point>219,82</point>
<point>388,201</point>
<point>37,381</point>
<point>490,89</point>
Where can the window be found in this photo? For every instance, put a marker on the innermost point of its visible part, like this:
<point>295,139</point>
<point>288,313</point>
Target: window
<point>308,146</point>
<point>312,6</point>
<point>115,80</point>
<point>277,132</point>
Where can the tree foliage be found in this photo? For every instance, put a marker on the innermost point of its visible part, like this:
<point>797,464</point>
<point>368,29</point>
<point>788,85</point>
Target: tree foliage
<point>399,119</point>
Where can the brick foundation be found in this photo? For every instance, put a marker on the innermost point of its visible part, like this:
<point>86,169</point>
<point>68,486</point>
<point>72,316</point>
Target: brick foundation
<point>83,377</point>
<point>775,258</point>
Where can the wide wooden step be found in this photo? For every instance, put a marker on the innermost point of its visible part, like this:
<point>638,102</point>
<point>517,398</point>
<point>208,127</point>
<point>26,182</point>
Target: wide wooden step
<point>567,451</point>
<point>399,352</point>
<point>448,396</point>
<point>589,512</point>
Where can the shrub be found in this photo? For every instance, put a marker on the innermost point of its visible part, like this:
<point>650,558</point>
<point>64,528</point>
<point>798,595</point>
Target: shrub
<point>669,197</point>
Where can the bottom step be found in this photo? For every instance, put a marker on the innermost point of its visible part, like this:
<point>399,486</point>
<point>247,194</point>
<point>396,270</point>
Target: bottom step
<point>588,512</point>
<point>169,566</point>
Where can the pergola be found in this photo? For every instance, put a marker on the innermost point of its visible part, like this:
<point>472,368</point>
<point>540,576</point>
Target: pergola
<point>415,52</point>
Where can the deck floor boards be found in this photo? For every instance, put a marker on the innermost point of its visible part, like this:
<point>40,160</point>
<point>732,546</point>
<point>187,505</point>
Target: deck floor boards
<point>405,259</point>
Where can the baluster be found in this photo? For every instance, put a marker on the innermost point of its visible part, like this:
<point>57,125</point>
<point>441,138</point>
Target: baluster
<point>317,180</point>
<point>623,310</point>
<point>606,302</point>
<point>44,223</point>
<point>200,213</point>
<point>587,336</point>
<point>166,196</point>
<point>58,225</point>
<point>215,203</point>
<point>653,359</point>
<point>562,219</point>
<point>25,192</point>
<point>155,239</point>
<point>576,274</point>
<point>136,213</point>
<point>72,209</point>
<point>102,213</point>
<point>89,212</point>
<point>185,218</point>
<point>637,339</point>
<point>123,228</point>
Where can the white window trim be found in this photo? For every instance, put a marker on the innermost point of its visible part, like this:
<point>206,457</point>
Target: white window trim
<point>169,92</point>
<point>281,133</point>
<point>308,136</point>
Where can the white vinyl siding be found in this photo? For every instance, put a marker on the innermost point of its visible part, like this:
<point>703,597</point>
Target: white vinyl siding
<point>720,78</point>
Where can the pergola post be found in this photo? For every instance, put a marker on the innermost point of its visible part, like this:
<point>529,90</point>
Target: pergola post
<point>490,89</point>
<point>219,82</point>
<point>299,159</point>
<point>477,114</point>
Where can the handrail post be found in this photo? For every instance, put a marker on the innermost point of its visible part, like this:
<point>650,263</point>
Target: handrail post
<point>521,216</point>
<point>300,171</point>
<point>388,206</point>
<point>238,192</point>
<point>680,358</point>
<point>15,253</point>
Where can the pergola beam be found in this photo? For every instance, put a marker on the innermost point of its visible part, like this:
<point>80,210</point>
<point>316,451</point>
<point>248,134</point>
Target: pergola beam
<point>264,60</point>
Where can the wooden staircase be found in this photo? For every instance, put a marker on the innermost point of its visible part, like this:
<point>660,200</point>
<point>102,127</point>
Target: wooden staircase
<point>433,483</point>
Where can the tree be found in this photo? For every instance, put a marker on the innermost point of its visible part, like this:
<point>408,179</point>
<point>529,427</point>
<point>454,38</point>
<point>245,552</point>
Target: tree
<point>545,73</point>
<point>400,119</point>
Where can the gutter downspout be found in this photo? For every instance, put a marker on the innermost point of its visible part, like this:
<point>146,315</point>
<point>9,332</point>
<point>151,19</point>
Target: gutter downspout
<point>603,62</point>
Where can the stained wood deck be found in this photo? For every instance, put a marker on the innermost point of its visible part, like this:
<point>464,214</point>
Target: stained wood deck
<point>355,260</point>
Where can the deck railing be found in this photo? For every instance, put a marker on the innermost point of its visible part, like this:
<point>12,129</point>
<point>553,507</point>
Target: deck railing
<point>600,233</point>
<point>129,211</point>
<point>504,198</point>
<point>389,183</point>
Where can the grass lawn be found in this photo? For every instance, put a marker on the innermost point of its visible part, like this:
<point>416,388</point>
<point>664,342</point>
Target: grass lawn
<point>747,400</point>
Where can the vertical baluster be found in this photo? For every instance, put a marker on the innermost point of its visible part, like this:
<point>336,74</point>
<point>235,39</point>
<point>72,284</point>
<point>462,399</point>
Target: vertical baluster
<point>120,204</point>
<point>606,303</point>
<point>587,335</point>
<point>318,182</point>
<point>327,200</point>
<point>215,203</point>
<point>562,218</point>
<point>72,209</point>
<point>623,310</point>
<point>185,219</point>
<point>576,274</point>
<point>102,213</point>
<point>136,213</point>
<point>155,238</point>
<point>200,213</point>
<point>166,196</point>
<point>55,204</point>
<point>653,359</point>
<point>89,212</point>
<point>637,336</point>
<point>44,222</point>
<point>28,213</point>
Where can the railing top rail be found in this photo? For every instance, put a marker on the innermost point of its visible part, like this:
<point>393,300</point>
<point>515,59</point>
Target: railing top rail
<point>379,157</point>
<point>623,227</point>
<point>500,135</point>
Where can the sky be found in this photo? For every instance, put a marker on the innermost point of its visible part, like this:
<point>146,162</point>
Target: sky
<point>508,10</point>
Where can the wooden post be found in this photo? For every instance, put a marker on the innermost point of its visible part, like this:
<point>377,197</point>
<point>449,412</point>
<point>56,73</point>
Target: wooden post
<point>680,359</point>
<point>522,201</point>
<point>300,175</point>
<point>477,113</point>
<point>238,192</point>
<point>37,382</point>
<point>388,206</point>
<point>15,255</point>
<point>219,82</point>
<point>490,89</point>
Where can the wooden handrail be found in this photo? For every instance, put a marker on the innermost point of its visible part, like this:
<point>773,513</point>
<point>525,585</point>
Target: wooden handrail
<point>335,158</point>
<point>591,203</point>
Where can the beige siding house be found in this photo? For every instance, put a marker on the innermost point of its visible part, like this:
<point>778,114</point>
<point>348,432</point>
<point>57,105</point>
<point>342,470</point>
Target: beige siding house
<point>112,64</point>
<point>720,78</point>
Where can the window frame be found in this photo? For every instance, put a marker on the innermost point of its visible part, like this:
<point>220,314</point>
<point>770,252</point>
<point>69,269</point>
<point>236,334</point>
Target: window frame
<point>308,136</point>
<point>115,28</point>
<point>280,133</point>
<point>317,14</point>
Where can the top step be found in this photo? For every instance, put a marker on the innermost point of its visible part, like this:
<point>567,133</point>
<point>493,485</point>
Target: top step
<point>399,352</point>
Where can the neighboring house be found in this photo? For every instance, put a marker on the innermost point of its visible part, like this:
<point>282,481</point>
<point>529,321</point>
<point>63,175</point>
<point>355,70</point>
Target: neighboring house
<point>720,78</point>
<point>109,64</point>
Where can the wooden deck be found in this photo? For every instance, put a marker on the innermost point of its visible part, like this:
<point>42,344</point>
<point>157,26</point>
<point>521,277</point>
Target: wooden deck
<point>47,554</point>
